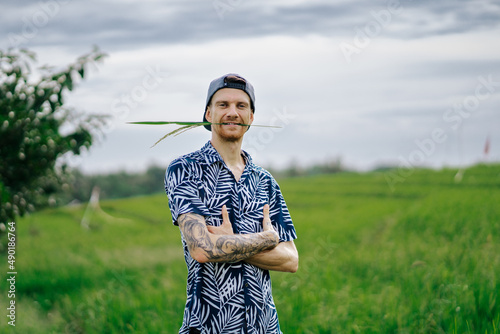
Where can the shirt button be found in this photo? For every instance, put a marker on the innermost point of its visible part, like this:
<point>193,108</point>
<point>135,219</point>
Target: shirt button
<point>246,285</point>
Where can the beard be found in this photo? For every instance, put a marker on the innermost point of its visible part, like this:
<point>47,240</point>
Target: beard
<point>230,133</point>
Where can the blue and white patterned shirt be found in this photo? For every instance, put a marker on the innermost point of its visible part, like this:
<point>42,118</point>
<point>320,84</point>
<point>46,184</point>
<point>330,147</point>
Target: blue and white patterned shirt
<point>227,297</point>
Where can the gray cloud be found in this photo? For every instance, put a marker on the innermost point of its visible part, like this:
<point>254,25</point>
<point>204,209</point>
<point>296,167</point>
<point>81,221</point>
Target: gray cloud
<point>118,25</point>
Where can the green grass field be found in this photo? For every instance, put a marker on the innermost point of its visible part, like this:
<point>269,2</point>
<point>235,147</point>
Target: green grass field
<point>421,258</point>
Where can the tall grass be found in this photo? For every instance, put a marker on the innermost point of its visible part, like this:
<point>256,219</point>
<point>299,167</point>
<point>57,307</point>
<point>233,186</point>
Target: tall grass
<point>424,258</point>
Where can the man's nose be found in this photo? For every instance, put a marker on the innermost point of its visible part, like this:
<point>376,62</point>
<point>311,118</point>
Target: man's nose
<point>232,111</point>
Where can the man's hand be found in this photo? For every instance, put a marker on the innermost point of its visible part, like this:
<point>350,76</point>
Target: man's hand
<point>226,228</point>
<point>283,257</point>
<point>266,222</point>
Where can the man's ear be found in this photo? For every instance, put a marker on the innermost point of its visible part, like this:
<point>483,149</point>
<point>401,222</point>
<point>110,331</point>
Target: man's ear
<point>251,117</point>
<point>208,115</point>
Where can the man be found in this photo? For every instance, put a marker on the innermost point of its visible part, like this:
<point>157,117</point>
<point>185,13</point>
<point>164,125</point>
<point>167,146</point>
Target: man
<point>234,223</point>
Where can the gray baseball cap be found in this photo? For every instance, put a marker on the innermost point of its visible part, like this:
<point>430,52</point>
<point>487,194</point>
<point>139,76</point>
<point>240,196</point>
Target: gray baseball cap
<point>230,80</point>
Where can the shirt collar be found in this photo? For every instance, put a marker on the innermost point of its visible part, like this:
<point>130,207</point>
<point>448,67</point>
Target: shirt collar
<point>210,153</point>
<point>211,156</point>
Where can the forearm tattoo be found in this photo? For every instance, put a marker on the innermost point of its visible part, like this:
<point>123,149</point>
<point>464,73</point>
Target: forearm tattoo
<point>223,248</point>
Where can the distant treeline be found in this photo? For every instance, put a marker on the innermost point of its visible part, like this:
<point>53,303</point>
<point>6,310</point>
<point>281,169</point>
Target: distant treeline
<point>295,169</point>
<point>114,185</point>
<point>122,184</point>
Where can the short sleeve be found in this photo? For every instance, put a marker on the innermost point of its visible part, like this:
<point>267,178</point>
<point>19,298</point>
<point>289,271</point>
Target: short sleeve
<point>279,214</point>
<point>181,186</point>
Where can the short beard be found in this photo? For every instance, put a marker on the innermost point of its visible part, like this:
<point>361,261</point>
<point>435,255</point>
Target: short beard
<point>230,138</point>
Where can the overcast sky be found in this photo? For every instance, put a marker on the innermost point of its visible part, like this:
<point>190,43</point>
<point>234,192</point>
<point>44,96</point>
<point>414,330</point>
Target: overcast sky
<point>371,82</point>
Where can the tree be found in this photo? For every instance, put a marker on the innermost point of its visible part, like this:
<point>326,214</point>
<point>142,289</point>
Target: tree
<point>32,116</point>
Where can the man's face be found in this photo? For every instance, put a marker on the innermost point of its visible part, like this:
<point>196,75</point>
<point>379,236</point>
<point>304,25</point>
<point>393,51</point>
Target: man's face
<point>231,107</point>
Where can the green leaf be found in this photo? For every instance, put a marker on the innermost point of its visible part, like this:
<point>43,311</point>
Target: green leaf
<point>69,82</point>
<point>178,132</point>
<point>185,127</point>
<point>195,123</point>
<point>81,71</point>
<point>164,123</point>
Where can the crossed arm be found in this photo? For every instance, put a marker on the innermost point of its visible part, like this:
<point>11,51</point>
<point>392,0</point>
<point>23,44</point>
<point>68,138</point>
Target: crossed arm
<point>220,244</point>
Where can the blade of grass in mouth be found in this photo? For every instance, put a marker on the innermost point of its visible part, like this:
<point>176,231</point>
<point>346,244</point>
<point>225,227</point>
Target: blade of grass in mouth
<point>198,123</point>
<point>185,126</point>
